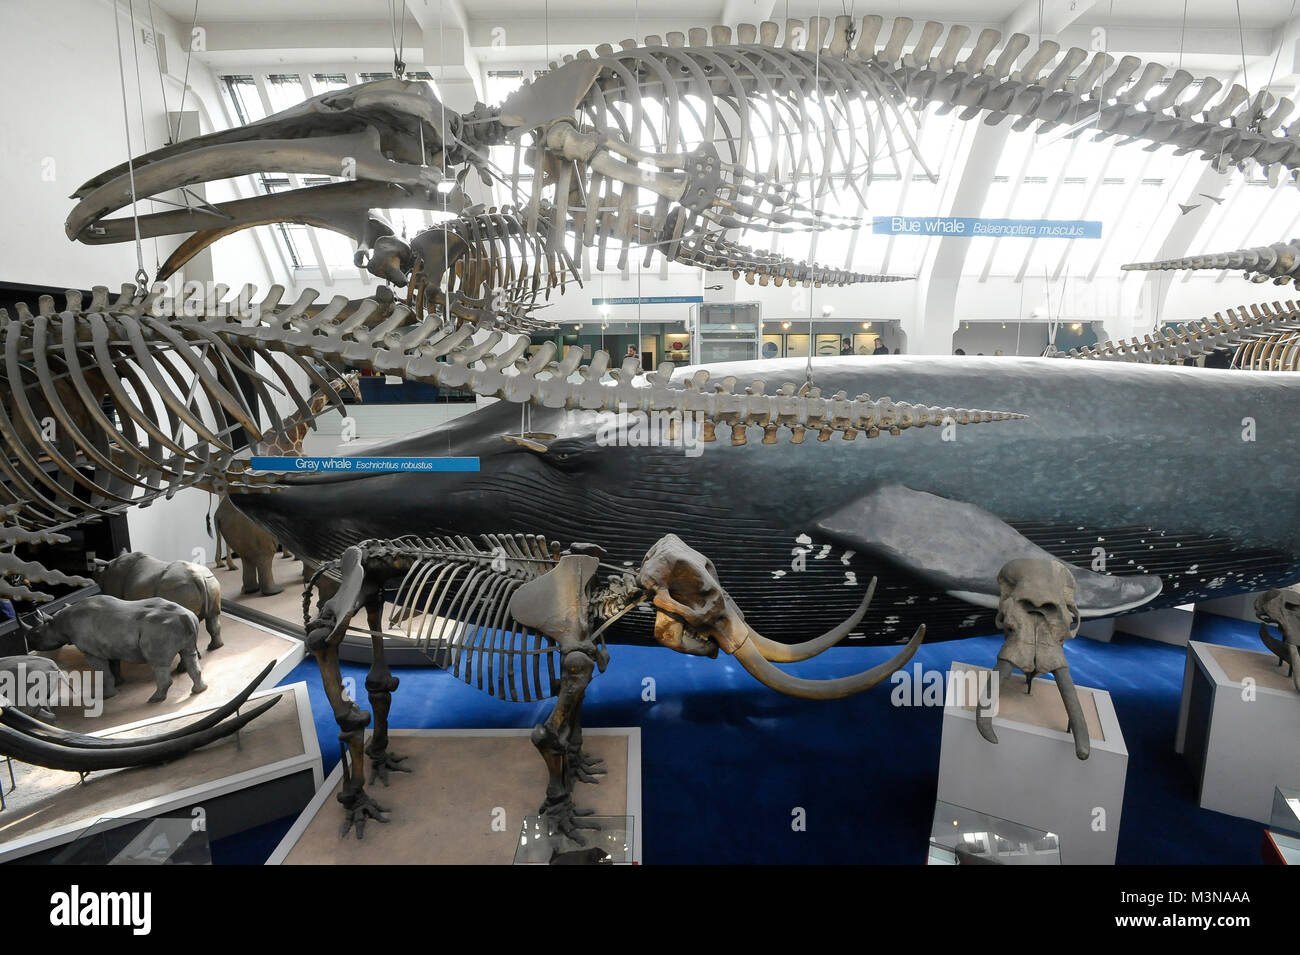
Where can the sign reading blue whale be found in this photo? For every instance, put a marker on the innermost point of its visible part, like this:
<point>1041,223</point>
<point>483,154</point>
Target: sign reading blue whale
<point>965,227</point>
<point>651,300</point>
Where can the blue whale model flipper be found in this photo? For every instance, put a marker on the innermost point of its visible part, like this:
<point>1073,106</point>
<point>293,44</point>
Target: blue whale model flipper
<point>959,548</point>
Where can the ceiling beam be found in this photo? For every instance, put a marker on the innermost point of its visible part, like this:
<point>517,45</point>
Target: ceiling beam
<point>1281,65</point>
<point>941,275</point>
<point>448,51</point>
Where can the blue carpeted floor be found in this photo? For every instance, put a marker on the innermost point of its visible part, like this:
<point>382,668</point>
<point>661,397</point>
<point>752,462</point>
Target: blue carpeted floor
<point>726,761</point>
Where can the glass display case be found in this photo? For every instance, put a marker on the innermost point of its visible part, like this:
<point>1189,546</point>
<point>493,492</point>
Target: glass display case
<point>609,842</point>
<point>175,839</point>
<point>1286,811</point>
<point>1282,837</point>
<point>960,836</point>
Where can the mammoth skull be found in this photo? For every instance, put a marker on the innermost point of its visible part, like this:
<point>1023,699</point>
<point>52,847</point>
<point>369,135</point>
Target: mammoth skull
<point>695,615</point>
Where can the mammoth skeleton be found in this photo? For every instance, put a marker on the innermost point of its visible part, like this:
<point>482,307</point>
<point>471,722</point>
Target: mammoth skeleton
<point>521,619</point>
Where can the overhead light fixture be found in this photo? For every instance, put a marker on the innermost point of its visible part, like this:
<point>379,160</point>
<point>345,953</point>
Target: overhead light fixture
<point>785,324</point>
<point>446,186</point>
<point>577,327</point>
<point>1076,327</point>
<point>827,311</point>
<point>604,310</point>
<point>866,324</point>
<point>1004,324</point>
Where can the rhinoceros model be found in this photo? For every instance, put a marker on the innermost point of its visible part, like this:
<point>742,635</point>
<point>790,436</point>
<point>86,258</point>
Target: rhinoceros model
<point>30,682</point>
<point>134,576</point>
<point>110,631</point>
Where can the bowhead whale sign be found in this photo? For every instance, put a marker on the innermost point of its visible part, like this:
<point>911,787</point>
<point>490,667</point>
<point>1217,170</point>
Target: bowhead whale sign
<point>972,228</point>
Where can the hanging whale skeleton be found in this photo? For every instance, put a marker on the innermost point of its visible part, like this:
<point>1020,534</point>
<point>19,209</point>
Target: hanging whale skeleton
<point>670,146</point>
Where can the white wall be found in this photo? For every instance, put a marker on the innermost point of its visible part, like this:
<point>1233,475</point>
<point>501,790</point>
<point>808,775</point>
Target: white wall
<point>175,529</point>
<point>63,114</point>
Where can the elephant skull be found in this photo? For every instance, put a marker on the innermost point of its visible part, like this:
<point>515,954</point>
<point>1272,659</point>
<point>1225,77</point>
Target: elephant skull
<point>695,615</point>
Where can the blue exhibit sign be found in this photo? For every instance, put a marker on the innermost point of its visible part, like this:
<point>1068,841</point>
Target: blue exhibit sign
<point>964,227</point>
<point>362,465</point>
<point>651,300</point>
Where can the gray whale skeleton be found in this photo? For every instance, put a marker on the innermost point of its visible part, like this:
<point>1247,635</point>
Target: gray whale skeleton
<point>670,145</point>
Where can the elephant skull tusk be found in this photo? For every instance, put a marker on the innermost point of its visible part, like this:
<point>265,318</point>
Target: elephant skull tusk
<point>751,658</point>
<point>793,653</point>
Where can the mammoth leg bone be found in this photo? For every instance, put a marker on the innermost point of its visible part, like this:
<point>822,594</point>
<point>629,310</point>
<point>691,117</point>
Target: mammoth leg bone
<point>380,684</point>
<point>559,740</point>
<point>325,633</point>
<point>983,717</point>
<point>352,721</point>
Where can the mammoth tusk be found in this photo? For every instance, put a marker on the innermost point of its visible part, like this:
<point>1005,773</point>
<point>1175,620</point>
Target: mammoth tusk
<point>793,653</point>
<point>83,759</point>
<point>749,656</point>
<point>43,732</point>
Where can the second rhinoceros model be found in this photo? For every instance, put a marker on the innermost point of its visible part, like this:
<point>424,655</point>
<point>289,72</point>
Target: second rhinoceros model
<point>133,576</point>
<point>33,682</point>
<point>109,631</point>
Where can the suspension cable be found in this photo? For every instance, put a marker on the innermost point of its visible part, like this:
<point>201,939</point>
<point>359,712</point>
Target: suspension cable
<point>141,276</point>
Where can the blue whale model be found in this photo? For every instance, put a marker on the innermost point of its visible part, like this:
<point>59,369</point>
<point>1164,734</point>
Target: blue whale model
<point>1159,485</point>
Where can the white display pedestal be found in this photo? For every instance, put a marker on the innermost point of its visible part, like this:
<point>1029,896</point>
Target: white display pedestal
<point>1172,625</point>
<point>1240,737</point>
<point>1240,607</point>
<point>1032,775</point>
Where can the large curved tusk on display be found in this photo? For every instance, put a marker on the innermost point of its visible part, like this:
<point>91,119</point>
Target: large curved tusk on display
<point>792,653</point>
<point>45,733</point>
<point>770,676</point>
<point>78,758</point>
